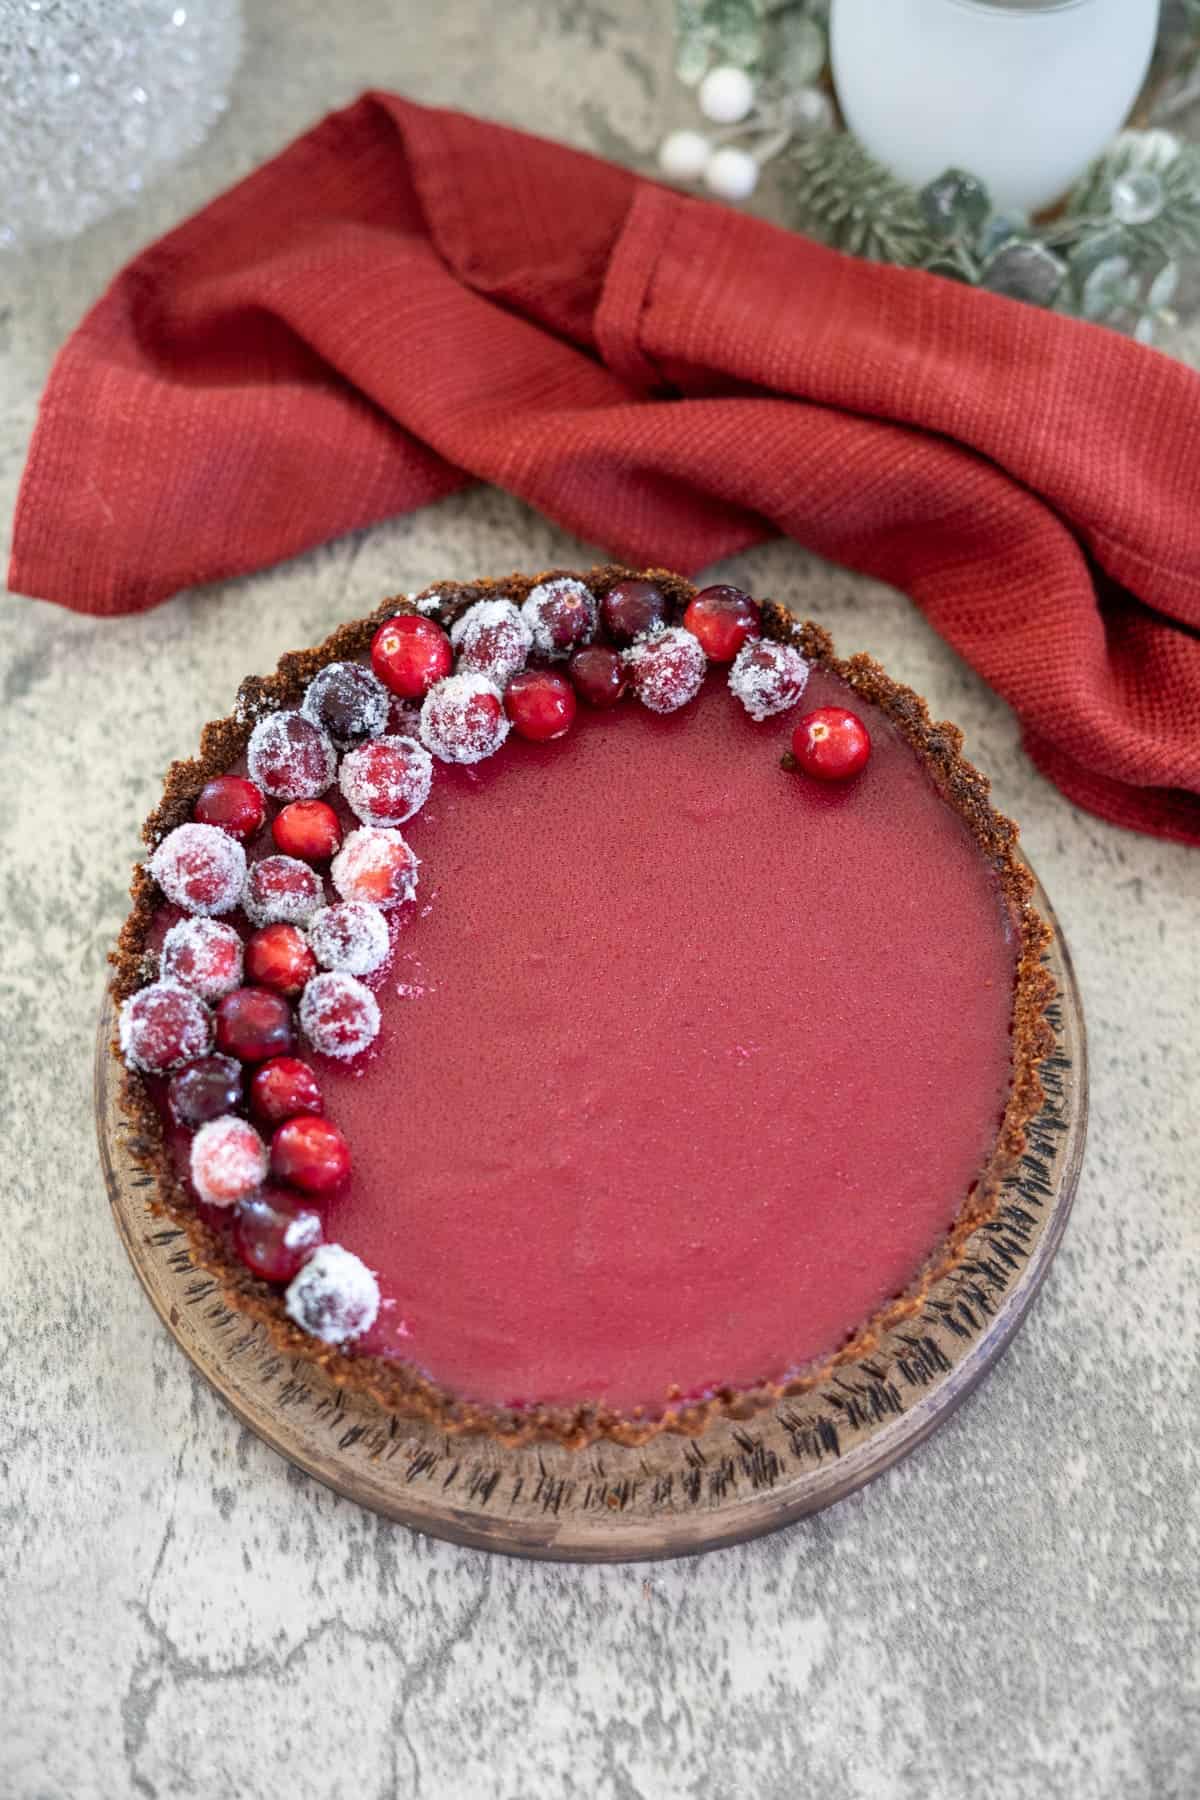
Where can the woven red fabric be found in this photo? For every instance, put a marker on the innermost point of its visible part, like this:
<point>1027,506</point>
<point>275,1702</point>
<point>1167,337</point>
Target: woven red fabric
<point>408,299</point>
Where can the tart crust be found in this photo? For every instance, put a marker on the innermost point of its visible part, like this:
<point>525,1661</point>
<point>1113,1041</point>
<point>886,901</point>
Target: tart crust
<point>404,1390</point>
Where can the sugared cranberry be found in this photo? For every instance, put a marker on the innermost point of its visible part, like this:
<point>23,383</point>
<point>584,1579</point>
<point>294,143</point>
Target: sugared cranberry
<point>275,1233</point>
<point>232,804</point>
<point>308,829</point>
<point>631,609</point>
<point>290,757</point>
<point>410,653</point>
<point>200,869</point>
<point>561,614</point>
<point>767,677</point>
<point>282,1088</point>
<point>722,619</point>
<point>600,675</point>
<point>338,1015</point>
<point>493,639</point>
<point>831,743</point>
<point>310,1154</point>
<point>375,865</point>
<point>348,702</point>
<point>205,1090</point>
<point>352,936</point>
<point>540,705</point>
<point>388,781</point>
<point>228,1161</point>
<point>463,720</point>
<point>281,888</point>
<point>667,670</point>
<point>162,1026</point>
<point>278,957</point>
<point>204,955</point>
<point>253,1023</point>
<point>335,1297</point>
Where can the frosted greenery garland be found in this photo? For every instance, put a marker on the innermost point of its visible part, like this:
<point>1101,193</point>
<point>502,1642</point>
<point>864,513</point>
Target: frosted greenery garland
<point>1110,254</point>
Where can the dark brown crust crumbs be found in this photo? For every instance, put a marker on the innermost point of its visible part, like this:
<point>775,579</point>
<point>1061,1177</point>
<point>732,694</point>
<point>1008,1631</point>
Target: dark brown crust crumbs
<point>403,1389</point>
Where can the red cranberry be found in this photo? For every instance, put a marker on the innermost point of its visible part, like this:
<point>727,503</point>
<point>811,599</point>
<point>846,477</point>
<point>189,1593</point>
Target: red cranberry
<point>205,1090</point>
<point>290,757</point>
<point>310,1154</point>
<point>410,653</point>
<point>253,1023</point>
<point>375,865</point>
<point>767,677</point>
<point>831,743</point>
<point>283,1087</point>
<point>308,829</point>
<point>275,1233</point>
<point>338,1015</point>
<point>281,887</point>
<point>632,608</point>
<point>463,719</point>
<point>348,702</point>
<point>204,955</point>
<point>561,613</point>
<point>162,1026</point>
<point>278,957</point>
<point>232,804</point>
<point>493,639</point>
<point>667,670</point>
<point>600,676</point>
<point>228,1161</point>
<point>722,618</point>
<point>540,705</point>
<point>200,869</point>
<point>386,782</point>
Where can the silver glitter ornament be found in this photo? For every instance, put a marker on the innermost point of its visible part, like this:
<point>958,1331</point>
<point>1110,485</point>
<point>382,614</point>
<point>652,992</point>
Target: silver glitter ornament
<point>97,97</point>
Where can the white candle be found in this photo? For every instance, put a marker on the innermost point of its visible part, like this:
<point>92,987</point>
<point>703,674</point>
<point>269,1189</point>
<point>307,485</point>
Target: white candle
<point>1020,93</point>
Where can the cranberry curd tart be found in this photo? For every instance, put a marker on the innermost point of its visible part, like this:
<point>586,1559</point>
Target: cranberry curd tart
<point>579,1006</point>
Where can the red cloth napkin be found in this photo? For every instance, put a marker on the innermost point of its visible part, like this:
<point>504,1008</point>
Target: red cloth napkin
<point>408,299</point>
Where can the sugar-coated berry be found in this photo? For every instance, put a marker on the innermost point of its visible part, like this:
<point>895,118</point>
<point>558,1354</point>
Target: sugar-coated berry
<point>278,957</point>
<point>731,173</point>
<point>722,619</point>
<point>493,638</point>
<point>631,609</point>
<point>290,757</point>
<point>767,677</point>
<point>387,781</point>
<point>231,803</point>
<point>311,1154</point>
<point>376,865</point>
<point>726,94</point>
<point>204,1090</point>
<point>348,702</point>
<point>253,1023</point>
<point>335,1297</point>
<point>667,670</point>
<point>275,1233</point>
<point>561,614</point>
<point>200,869</point>
<point>352,936</point>
<point>281,888</point>
<point>599,675</point>
<point>162,1026</point>
<point>228,1161</point>
<point>683,155</point>
<point>831,743</point>
<point>338,1015</point>
<point>204,955</point>
<point>307,829</point>
<point>463,719</point>
<point>283,1088</point>
<point>540,705</point>
<point>410,653</point>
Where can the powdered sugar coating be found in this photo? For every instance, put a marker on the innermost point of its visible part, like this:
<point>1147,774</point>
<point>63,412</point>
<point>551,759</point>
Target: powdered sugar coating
<point>667,669</point>
<point>335,1297</point>
<point>352,936</point>
<point>387,781</point>
<point>162,1026</point>
<point>377,865</point>
<point>348,701</point>
<point>767,677</point>
<point>493,638</point>
<point>228,1161</point>
<point>204,955</point>
<point>562,614</point>
<point>462,718</point>
<point>281,889</point>
<point>200,868</point>
<point>290,757</point>
<point>338,1015</point>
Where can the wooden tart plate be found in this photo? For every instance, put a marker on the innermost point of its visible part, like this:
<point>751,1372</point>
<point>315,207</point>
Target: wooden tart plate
<point>675,1495</point>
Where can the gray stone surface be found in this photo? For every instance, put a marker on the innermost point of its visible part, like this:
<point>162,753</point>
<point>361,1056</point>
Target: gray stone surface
<point>1013,1612</point>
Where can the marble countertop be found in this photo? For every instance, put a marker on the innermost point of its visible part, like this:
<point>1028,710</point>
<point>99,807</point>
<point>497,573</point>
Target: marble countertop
<point>1014,1610</point>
